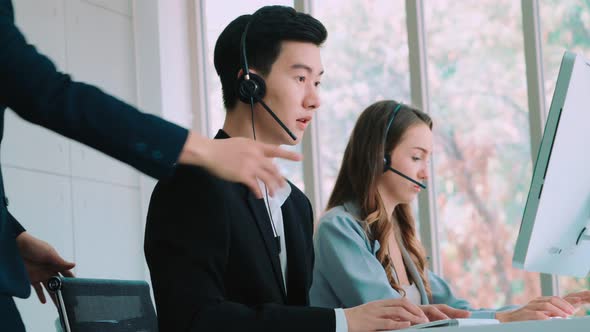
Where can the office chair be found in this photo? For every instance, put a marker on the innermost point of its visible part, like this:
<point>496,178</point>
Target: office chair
<point>89,305</point>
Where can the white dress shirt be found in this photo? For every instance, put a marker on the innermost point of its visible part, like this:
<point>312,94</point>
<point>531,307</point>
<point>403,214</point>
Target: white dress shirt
<point>413,294</point>
<point>276,215</point>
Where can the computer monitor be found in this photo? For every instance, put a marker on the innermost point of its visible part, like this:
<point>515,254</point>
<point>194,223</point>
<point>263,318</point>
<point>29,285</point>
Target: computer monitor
<point>554,235</point>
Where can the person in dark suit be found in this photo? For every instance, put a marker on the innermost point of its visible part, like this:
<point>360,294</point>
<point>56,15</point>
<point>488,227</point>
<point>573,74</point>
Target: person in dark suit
<point>32,87</point>
<point>251,269</point>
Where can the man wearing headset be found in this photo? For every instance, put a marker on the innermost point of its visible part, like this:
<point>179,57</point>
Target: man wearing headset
<point>251,269</point>
<point>32,87</point>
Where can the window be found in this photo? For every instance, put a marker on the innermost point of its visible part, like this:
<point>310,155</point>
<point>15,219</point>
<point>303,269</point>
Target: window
<point>365,59</point>
<point>565,25</point>
<point>482,155</point>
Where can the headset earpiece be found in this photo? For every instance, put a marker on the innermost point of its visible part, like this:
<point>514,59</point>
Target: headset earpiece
<point>386,162</point>
<point>254,88</point>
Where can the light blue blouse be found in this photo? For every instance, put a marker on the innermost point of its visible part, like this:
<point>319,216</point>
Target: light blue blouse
<point>347,272</point>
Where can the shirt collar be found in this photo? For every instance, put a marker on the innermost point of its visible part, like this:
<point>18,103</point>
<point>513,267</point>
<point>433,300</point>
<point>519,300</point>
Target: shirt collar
<point>280,195</point>
<point>353,208</point>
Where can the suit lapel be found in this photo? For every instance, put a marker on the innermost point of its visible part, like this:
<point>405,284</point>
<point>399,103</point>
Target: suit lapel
<point>263,222</point>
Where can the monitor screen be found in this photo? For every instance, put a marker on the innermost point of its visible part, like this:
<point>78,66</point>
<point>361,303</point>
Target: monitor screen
<point>554,234</point>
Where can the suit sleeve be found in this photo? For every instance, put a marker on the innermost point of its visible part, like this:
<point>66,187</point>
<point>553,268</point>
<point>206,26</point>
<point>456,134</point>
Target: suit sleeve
<point>187,247</point>
<point>32,87</point>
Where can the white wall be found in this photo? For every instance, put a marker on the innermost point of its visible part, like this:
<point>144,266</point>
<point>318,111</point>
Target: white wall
<point>89,206</point>
<point>165,69</point>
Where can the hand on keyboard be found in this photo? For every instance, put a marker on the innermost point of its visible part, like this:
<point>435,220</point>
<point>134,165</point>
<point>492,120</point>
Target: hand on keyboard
<point>578,299</point>
<point>540,308</point>
<point>436,312</point>
<point>392,314</point>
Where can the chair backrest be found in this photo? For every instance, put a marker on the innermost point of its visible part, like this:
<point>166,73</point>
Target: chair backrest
<point>105,305</point>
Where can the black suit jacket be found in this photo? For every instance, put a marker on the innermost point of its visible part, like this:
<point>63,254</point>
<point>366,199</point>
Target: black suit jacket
<point>214,263</point>
<point>32,87</point>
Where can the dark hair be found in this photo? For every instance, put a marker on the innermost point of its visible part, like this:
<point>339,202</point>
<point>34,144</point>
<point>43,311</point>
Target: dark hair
<point>269,27</point>
<point>362,165</point>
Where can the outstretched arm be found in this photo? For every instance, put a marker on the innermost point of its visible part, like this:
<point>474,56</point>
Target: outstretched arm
<point>32,87</point>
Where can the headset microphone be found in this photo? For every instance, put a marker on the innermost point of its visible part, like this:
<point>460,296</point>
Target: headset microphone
<point>389,168</point>
<point>274,116</point>
<point>387,156</point>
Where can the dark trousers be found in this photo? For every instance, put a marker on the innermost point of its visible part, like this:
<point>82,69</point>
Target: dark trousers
<point>10,320</point>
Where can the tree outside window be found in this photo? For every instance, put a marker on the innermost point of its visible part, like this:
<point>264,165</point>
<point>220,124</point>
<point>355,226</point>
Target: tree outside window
<point>482,160</point>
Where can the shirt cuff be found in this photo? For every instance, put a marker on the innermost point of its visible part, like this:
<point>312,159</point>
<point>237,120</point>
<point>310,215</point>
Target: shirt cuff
<point>341,323</point>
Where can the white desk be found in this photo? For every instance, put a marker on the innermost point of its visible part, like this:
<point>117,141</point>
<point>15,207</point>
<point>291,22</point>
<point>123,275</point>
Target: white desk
<point>578,324</point>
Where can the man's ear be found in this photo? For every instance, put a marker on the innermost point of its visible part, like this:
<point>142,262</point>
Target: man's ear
<point>241,72</point>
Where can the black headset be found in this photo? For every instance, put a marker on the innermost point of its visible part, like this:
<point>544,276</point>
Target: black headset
<point>387,155</point>
<point>251,87</point>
